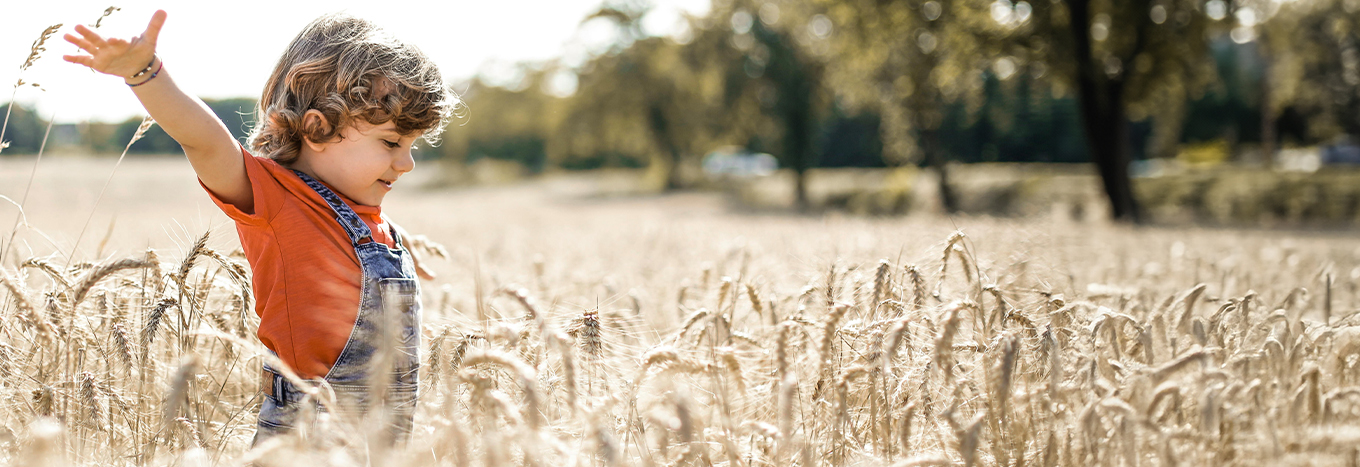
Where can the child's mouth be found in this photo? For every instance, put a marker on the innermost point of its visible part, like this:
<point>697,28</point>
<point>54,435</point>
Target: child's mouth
<point>386,184</point>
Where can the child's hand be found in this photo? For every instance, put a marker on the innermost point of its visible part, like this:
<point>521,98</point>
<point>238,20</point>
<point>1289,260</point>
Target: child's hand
<point>116,56</point>
<point>417,244</point>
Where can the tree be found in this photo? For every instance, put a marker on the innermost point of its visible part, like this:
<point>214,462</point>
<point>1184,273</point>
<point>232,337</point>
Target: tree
<point>773,79</point>
<point>1139,57</point>
<point>1317,63</point>
<point>25,132</point>
<point>504,124</point>
<point>232,112</point>
<point>908,60</point>
<point>796,79</point>
<point>641,97</point>
<point>237,114</point>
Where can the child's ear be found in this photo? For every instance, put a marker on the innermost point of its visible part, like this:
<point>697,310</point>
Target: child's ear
<point>314,122</point>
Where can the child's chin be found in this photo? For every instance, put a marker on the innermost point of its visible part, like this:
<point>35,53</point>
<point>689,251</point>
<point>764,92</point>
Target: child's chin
<point>371,200</point>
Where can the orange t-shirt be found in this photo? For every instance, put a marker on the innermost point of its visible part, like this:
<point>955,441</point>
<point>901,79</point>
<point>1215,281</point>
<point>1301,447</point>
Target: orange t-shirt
<point>306,276</point>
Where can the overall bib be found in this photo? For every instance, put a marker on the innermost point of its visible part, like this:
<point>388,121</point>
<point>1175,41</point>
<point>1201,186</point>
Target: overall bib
<point>386,336</point>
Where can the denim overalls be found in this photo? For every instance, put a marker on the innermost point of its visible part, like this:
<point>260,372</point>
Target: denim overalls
<point>389,312</point>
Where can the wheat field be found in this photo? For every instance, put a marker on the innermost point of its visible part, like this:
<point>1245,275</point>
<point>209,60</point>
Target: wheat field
<point>573,329</point>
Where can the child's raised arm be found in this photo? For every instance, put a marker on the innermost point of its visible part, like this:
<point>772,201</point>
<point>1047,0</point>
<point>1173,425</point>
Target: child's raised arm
<point>212,151</point>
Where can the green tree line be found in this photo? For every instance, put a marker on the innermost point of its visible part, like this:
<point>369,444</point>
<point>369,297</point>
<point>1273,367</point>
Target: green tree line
<point>26,131</point>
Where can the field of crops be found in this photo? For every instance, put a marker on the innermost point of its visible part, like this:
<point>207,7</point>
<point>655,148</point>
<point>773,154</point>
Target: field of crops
<point>569,329</point>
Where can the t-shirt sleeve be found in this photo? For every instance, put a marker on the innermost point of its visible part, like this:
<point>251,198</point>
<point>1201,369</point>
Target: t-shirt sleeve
<point>263,187</point>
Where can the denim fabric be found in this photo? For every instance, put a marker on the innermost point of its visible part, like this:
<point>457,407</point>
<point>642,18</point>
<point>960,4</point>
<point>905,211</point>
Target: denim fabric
<point>388,319</point>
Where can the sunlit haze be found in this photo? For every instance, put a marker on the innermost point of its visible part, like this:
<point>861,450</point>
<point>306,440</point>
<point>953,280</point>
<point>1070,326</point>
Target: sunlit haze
<point>219,50</point>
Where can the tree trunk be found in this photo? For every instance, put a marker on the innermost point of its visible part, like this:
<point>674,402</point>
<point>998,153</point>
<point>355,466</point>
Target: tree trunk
<point>1103,118</point>
<point>795,80</point>
<point>925,110</point>
<point>800,189</point>
<point>799,144</point>
<point>934,159</point>
<point>1107,136</point>
<point>674,180</point>
<point>665,141</point>
<point>798,135</point>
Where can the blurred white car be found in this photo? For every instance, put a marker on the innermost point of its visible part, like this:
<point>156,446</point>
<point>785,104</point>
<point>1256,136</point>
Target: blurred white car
<point>737,162</point>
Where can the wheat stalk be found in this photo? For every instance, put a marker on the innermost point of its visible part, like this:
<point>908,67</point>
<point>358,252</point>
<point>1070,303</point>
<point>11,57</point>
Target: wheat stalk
<point>141,131</point>
<point>882,285</point>
<point>521,295</point>
<point>52,272</point>
<point>564,347</point>
<point>19,216</point>
<point>526,376</point>
<point>122,346</point>
<point>178,395</point>
<point>944,345</point>
<point>587,331</point>
<point>35,52</point>
<point>239,275</point>
<point>153,324</point>
<point>89,397</point>
<point>102,271</point>
<point>918,287</point>
<point>434,362</point>
<point>28,314</point>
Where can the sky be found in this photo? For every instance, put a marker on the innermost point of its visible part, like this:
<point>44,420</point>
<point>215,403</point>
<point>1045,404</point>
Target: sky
<point>227,49</point>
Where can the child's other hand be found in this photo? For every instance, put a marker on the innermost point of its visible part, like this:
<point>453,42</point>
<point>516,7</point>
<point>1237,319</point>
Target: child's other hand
<point>114,56</point>
<point>419,246</point>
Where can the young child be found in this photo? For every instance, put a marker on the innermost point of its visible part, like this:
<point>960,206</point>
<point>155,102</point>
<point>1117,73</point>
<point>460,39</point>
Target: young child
<point>335,284</point>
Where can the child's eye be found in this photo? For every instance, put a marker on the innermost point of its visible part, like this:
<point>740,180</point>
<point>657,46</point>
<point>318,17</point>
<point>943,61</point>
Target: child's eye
<point>391,144</point>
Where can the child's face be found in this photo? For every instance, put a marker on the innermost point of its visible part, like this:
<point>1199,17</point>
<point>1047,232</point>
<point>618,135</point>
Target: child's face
<point>365,163</point>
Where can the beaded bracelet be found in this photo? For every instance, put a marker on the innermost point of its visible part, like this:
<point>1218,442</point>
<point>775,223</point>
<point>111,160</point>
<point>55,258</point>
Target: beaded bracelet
<point>153,76</point>
<point>144,70</point>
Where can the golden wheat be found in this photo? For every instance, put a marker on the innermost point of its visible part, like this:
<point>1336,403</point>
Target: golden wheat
<point>126,362</point>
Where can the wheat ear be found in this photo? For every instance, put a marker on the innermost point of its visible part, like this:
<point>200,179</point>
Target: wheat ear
<point>102,271</point>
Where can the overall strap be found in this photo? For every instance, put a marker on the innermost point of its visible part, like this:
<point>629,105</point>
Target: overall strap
<point>354,226</point>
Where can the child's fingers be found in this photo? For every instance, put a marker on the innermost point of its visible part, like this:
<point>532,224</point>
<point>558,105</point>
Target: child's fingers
<point>90,35</point>
<point>153,29</point>
<point>79,42</point>
<point>79,59</point>
<point>425,273</point>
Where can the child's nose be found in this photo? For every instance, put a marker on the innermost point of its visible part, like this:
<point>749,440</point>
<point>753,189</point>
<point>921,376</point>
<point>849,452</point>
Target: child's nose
<point>405,162</point>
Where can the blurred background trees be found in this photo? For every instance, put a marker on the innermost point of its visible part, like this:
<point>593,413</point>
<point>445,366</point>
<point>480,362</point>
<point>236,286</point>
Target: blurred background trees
<point>1124,85</point>
<point>1127,60</point>
<point>1314,48</point>
<point>907,61</point>
<point>639,101</point>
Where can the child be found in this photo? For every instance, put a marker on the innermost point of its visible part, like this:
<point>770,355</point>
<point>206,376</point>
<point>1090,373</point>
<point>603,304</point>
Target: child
<point>337,120</point>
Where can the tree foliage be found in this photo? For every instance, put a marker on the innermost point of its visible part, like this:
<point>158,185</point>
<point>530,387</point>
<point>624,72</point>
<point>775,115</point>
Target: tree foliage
<point>1316,49</point>
<point>649,99</point>
<point>504,124</point>
<point>24,130</point>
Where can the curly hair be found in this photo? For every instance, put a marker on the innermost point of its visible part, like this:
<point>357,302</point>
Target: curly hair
<point>348,69</point>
